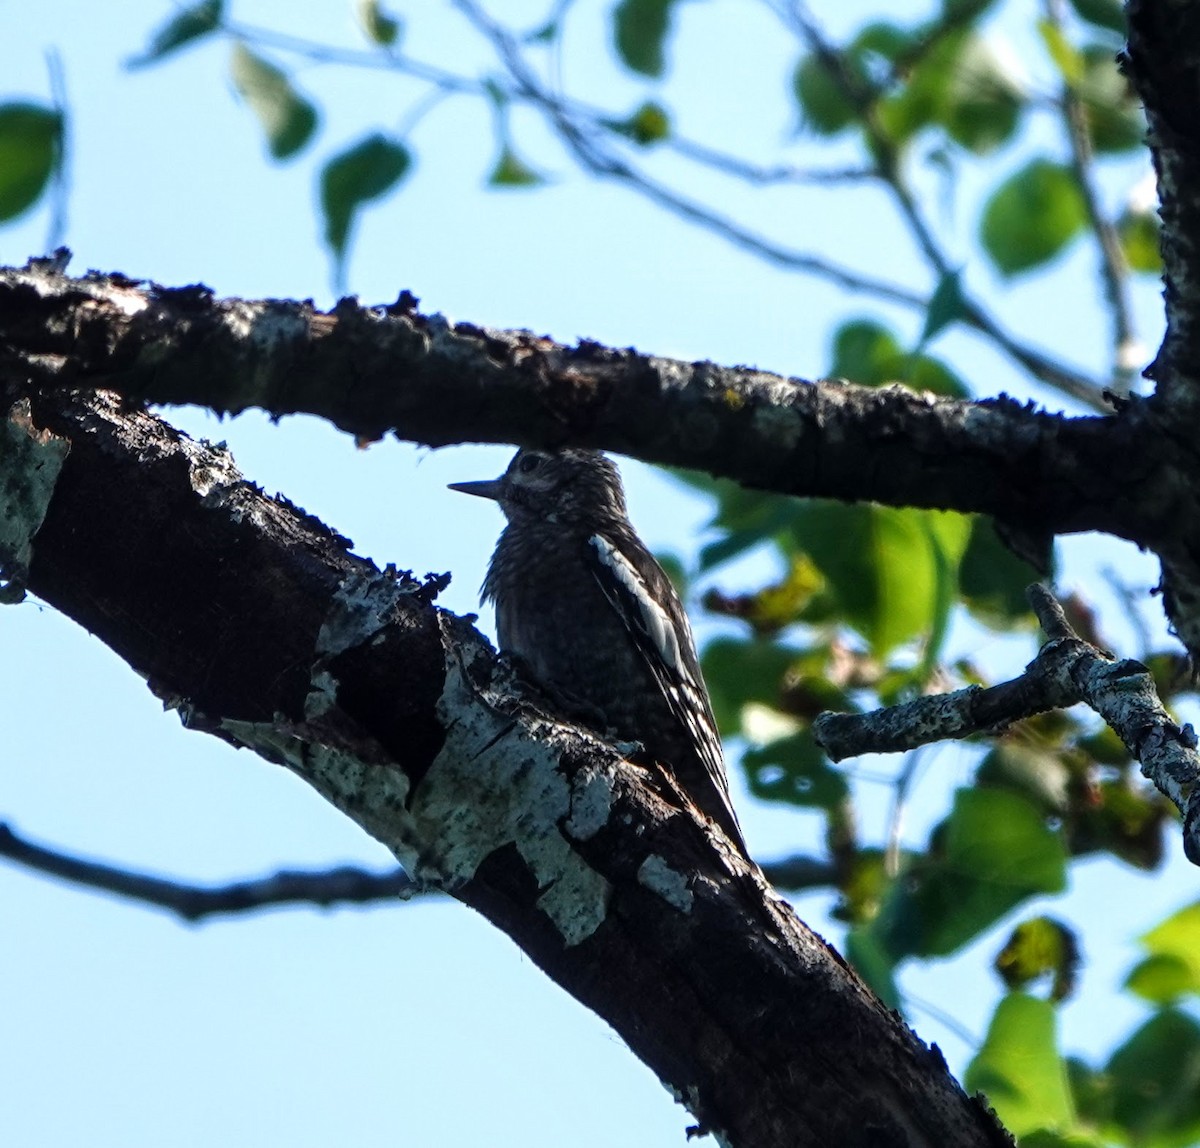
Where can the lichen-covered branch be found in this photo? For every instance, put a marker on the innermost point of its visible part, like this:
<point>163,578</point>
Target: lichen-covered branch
<point>375,370</point>
<point>1066,671</point>
<point>257,625</point>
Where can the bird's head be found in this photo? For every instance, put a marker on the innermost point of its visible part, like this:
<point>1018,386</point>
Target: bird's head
<point>566,487</point>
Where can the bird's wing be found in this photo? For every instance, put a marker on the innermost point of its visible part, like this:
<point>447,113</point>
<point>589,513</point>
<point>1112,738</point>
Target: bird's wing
<point>642,594</point>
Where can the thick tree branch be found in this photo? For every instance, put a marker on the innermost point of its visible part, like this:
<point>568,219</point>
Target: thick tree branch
<point>374,370</point>
<point>257,624</point>
<point>1066,671</point>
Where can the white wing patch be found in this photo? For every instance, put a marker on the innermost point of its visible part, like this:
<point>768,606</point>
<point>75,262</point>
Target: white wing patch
<point>652,620</point>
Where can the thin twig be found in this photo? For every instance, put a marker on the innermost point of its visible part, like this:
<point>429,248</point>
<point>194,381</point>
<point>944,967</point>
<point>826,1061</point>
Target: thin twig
<point>1066,671</point>
<point>891,855</point>
<point>325,888</point>
<point>1114,270</point>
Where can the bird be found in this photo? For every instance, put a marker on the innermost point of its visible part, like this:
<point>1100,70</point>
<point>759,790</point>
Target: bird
<point>596,623</point>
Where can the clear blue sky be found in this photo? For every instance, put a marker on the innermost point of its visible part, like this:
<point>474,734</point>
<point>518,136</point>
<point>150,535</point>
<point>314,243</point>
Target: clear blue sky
<point>417,1024</point>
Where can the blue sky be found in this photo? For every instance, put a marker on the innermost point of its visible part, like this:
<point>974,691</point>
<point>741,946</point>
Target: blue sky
<point>417,1024</point>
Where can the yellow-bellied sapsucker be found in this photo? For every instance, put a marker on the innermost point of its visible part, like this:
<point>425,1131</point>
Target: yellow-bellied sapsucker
<point>595,620</point>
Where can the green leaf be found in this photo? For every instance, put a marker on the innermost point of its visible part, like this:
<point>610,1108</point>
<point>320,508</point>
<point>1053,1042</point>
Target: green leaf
<point>924,373</point>
<point>1020,1070</point>
<point>891,42</point>
<point>640,29</point>
<point>378,26</point>
<point>1032,216</point>
<point>1108,14</point>
<point>886,567</point>
<point>965,9</point>
<point>821,95</point>
<point>993,852</point>
<point>650,124</point>
<point>288,120</point>
<point>1092,1093</point>
<point>1065,55</point>
<point>1155,1079</point>
<point>873,964</point>
<point>774,606</point>
<point>865,352</point>
<point>738,671</point>
<point>1162,979</point>
<point>946,306</point>
<point>993,579</point>
<point>1139,235</point>
<point>1038,774</point>
<point>30,146</point>
<point>1173,966</point>
<point>868,353</point>
<point>361,173</point>
<point>982,101</point>
<point>1039,947</point>
<point>794,770</point>
<point>185,26</point>
<point>510,170</point>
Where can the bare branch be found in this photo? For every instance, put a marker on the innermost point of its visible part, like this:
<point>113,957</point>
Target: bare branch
<point>375,370</point>
<point>344,885</point>
<point>1066,671</point>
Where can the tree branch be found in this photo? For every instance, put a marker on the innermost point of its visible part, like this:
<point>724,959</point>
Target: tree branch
<point>256,623</point>
<point>345,885</point>
<point>1066,671</point>
<point>374,370</point>
<point>1163,62</point>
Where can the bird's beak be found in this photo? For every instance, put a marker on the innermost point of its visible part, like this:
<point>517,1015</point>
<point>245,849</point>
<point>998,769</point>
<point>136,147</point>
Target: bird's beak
<point>486,488</point>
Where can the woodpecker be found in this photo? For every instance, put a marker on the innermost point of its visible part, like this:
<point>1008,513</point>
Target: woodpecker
<point>595,620</point>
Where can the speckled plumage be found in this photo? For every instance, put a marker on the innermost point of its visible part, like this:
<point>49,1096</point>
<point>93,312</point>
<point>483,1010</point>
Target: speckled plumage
<point>595,620</point>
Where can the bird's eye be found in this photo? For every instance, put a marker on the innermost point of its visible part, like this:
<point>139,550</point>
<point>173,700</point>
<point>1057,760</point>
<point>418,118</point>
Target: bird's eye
<point>529,463</point>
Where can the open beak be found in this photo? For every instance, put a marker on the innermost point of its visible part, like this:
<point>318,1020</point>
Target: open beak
<point>486,488</point>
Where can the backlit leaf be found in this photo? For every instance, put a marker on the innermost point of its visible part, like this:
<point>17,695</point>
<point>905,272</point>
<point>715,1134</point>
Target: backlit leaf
<point>1032,216</point>
<point>1019,1068</point>
<point>288,120</point>
<point>30,144</point>
<point>186,25</point>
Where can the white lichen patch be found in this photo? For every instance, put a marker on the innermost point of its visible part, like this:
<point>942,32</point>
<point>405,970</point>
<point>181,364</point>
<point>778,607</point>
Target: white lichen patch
<point>211,468</point>
<point>494,783</point>
<point>373,793</point>
<point>362,606</point>
<point>30,462</point>
<point>591,805</point>
<point>671,885</point>
<point>778,421</point>
<point>358,611</point>
<point>323,695</point>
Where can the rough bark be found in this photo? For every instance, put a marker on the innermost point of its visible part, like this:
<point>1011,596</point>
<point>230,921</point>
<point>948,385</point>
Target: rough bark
<point>374,370</point>
<point>257,624</point>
